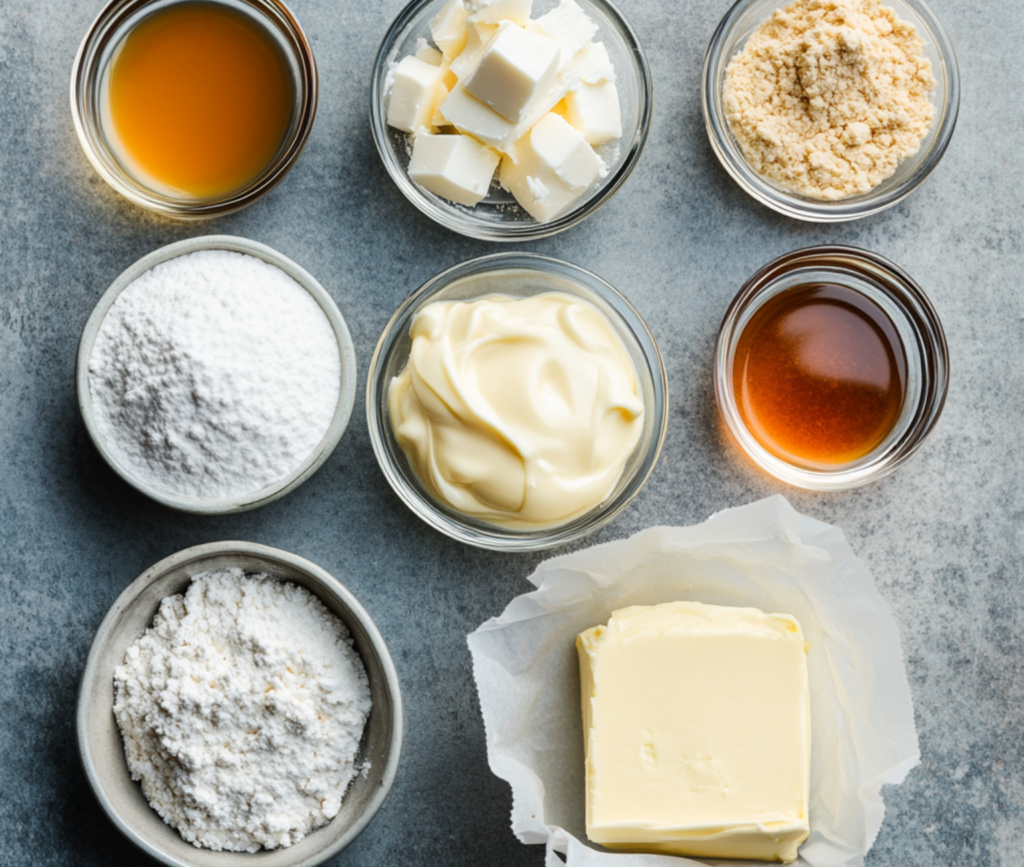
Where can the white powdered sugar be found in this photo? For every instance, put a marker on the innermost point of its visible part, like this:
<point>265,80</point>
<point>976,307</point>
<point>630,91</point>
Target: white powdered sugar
<point>214,375</point>
<point>241,710</point>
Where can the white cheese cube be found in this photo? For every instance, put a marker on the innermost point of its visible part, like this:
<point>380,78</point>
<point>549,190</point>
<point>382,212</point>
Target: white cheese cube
<point>517,68</point>
<point>550,168</point>
<point>427,53</point>
<point>592,64</point>
<point>453,166</point>
<point>467,114</point>
<point>496,11</point>
<point>414,93</point>
<point>568,25</point>
<point>448,28</point>
<point>593,109</point>
<point>477,38</point>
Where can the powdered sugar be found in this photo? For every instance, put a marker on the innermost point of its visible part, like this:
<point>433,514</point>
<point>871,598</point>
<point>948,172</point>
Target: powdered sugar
<point>213,375</point>
<point>241,710</point>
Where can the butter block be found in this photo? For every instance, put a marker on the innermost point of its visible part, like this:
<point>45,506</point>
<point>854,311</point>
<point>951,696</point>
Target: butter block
<point>568,25</point>
<point>453,166</point>
<point>593,109</point>
<point>696,721</point>
<point>496,11</point>
<point>517,69</point>
<point>448,28</point>
<point>550,168</point>
<point>415,89</point>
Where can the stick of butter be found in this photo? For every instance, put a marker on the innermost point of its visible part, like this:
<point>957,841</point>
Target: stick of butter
<point>696,722</point>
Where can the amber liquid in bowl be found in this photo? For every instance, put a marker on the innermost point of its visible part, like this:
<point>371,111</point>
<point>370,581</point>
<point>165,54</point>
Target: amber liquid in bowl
<point>200,98</point>
<point>820,375</point>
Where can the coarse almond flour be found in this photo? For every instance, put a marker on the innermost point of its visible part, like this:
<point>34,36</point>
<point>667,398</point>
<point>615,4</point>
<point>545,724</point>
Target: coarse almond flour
<point>828,96</point>
<point>241,710</point>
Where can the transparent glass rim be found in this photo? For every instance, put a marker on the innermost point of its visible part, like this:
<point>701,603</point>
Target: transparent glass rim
<point>653,376</point>
<point>927,360</point>
<point>485,230</point>
<point>87,73</point>
<point>723,143</point>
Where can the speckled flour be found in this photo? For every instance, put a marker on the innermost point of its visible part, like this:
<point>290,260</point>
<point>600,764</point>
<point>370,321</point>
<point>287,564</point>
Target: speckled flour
<point>241,710</point>
<point>213,375</point>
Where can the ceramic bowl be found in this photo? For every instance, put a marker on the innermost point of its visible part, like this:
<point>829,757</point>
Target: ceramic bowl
<point>102,750</point>
<point>728,41</point>
<point>88,105</point>
<point>346,397</point>
<point>516,274</point>
<point>499,217</point>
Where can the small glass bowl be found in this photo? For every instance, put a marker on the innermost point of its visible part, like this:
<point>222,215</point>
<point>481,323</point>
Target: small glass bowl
<point>499,217</point>
<point>89,81</point>
<point>521,275</point>
<point>920,332</point>
<point>730,38</point>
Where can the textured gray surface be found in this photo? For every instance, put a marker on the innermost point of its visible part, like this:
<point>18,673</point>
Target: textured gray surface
<point>944,537</point>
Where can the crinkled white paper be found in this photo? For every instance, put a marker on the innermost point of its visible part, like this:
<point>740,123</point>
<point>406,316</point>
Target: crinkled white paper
<point>765,555</point>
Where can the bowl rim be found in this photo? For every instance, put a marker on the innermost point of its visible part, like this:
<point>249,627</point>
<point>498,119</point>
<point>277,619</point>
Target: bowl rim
<point>497,538</point>
<point>273,13</point>
<point>320,577</point>
<point>346,393</point>
<point>440,210</point>
<point>817,210</point>
<point>918,311</point>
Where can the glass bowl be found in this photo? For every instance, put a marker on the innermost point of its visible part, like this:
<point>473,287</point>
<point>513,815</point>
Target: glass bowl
<point>730,38</point>
<point>102,750</point>
<point>920,333</point>
<point>521,275</point>
<point>284,485</point>
<point>499,217</point>
<point>89,81</point>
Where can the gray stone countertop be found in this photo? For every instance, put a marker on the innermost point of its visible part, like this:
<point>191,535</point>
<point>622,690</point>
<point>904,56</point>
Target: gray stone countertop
<point>943,537</point>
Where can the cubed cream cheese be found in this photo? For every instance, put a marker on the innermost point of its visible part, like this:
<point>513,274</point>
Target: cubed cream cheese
<point>696,723</point>
<point>517,68</point>
<point>550,168</point>
<point>496,11</point>
<point>593,109</point>
<point>591,64</point>
<point>427,52</point>
<point>448,28</point>
<point>414,95</point>
<point>568,25</point>
<point>477,38</point>
<point>453,166</point>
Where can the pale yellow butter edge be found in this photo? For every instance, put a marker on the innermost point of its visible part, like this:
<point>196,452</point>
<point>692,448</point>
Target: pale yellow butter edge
<point>756,840</point>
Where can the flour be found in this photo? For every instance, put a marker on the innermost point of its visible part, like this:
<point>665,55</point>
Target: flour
<point>241,710</point>
<point>828,96</point>
<point>214,375</point>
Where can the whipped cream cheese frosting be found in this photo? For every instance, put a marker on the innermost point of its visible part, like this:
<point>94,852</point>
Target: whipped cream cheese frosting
<point>518,411</point>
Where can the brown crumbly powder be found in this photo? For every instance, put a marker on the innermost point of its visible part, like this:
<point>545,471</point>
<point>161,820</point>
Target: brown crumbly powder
<point>828,96</point>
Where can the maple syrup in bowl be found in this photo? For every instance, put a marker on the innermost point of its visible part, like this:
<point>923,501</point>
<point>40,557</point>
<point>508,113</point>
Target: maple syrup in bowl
<point>831,367</point>
<point>194,108</point>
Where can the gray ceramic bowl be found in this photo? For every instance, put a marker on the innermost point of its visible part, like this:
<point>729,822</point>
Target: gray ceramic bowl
<point>99,740</point>
<point>346,395</point>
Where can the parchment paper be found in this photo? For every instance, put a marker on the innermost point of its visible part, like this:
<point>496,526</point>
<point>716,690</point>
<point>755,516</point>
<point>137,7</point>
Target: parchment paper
<point>765,555</point>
